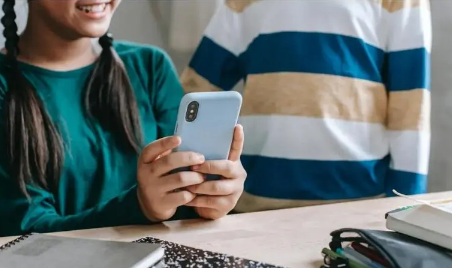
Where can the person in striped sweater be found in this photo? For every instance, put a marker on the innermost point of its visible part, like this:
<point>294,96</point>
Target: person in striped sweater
<point>336,96</point>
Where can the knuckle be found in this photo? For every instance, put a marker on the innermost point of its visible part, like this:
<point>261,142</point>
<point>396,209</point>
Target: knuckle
<point>212,202</point>
<point>230,165</point>
<point>193,158</point>
<point>152,169</point>
<point>209,167</point>
<point>181,177</point>
<point>222,203</point>
<point>223,188</point>
<point>186,196</point>
<point>217,188</point>
<point>168,161</point>
<point>230,203</point>
<point>243,174</point>
<point>188,178</point>
<point>198,178</point>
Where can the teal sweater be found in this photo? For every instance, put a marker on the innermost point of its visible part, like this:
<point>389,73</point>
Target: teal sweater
<point>98,184</point>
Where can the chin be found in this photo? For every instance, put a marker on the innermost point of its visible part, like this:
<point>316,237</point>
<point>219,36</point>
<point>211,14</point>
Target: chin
<point>93,32</point>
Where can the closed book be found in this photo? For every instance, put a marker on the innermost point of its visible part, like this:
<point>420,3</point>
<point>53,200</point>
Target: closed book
<point>39,250</point>
<point>427,222</point>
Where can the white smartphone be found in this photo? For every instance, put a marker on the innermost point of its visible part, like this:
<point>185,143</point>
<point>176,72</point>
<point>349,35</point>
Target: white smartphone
<point>206,123</point>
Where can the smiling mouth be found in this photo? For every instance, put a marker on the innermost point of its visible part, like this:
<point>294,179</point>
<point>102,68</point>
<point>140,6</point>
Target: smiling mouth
<point>93,8</point>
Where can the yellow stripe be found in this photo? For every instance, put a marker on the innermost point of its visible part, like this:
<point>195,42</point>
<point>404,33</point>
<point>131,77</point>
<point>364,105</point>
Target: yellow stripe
<point>193,82</point>
<point>397,5</point>
<point>240,5</point>
<point>409,110</point>
<point>315,95</point>
<point>253,203</point>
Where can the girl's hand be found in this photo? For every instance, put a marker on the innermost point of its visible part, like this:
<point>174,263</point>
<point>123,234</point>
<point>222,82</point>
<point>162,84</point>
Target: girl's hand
<point>160,193</point>
<point>217,198</point>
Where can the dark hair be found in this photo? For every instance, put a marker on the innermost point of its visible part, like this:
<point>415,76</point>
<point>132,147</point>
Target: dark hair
<point>34,145</point>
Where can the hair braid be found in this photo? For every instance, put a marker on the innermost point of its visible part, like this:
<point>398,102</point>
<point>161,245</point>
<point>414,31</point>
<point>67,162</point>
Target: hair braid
<point>110,98</point>
<point>34,146</point>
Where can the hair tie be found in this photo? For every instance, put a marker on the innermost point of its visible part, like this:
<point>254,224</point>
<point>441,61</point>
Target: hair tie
<point>106,41</point>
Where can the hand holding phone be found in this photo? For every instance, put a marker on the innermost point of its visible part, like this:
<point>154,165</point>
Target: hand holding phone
<point>159,193</point>
<point>216,198</point>
<point>207,124</point>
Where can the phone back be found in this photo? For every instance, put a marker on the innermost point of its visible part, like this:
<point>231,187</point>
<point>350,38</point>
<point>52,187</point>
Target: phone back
<point>206,123</point>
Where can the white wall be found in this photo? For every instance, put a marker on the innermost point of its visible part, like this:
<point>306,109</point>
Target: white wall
<point>135,21</point>
<point>441,148</point>
<point>143,26</point>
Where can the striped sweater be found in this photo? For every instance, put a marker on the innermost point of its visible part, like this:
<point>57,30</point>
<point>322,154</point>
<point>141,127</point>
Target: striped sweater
<point>336,98</point>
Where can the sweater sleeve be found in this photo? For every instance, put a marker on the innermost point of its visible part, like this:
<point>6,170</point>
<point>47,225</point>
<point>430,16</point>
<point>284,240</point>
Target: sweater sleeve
<point>215,65</point>
<point>407,79</point>
<point>168,93</point>
<point>38,213</point>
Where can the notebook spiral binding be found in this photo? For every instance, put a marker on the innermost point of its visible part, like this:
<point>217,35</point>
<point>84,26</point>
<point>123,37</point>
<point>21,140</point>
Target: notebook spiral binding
<point>14,242</point>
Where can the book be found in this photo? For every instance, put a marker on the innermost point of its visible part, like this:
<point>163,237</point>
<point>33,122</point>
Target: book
<point>427,221</point>
<point>40,250</point>
<point>178,256</point>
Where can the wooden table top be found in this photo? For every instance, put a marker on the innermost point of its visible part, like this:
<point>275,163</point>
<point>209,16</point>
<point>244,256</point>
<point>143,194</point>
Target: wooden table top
<point>290,238</point>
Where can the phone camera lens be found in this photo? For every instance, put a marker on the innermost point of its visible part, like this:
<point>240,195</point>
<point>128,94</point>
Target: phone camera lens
<point>192,111</point>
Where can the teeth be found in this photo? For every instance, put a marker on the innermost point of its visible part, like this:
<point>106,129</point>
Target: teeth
<point>93,8</point>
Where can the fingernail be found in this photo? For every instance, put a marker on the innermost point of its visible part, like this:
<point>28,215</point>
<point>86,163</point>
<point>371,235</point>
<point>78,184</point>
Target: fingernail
<point>201,157</point>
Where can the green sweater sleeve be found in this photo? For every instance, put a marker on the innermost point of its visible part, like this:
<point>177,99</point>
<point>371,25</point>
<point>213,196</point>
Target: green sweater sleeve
<point>21,215</point>
<point>167,93</point>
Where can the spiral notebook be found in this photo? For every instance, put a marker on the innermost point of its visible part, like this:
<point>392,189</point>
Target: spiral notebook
<point>176,256</point>
<point>38,250</point>
<point>179,256</point>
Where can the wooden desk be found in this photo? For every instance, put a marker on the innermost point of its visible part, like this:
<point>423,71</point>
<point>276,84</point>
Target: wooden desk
<point>291,238</point>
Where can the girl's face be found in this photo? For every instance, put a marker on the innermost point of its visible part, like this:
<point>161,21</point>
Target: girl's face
<point>75,18</point>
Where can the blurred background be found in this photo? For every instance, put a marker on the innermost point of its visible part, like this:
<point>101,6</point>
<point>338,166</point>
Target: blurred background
<point>177,26</point>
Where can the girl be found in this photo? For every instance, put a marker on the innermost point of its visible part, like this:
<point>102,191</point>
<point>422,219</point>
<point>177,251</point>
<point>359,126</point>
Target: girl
<point>74,123</point>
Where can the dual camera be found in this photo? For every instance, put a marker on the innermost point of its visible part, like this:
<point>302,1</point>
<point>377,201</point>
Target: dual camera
<point>192,111</point>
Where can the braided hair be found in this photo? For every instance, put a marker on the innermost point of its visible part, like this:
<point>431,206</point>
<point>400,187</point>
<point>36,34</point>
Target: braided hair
<point>34,145</point>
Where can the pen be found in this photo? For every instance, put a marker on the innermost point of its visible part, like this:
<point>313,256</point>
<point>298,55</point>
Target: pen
<point>370,253</point>
<point>342,260</point>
